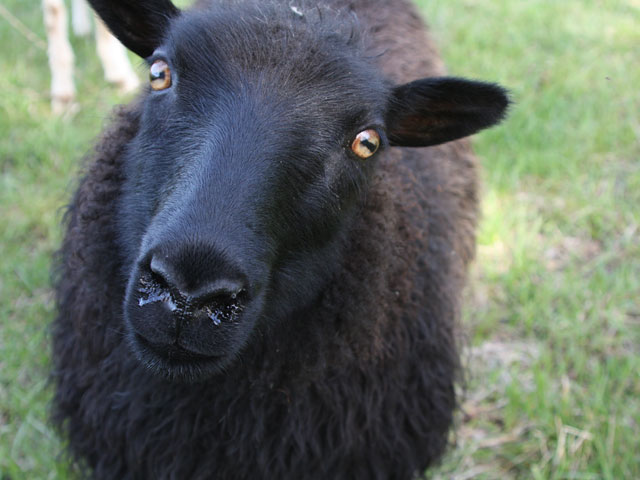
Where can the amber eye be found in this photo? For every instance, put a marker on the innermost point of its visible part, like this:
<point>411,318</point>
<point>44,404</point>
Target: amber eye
<point>366,143</point>
<point>160,75</point>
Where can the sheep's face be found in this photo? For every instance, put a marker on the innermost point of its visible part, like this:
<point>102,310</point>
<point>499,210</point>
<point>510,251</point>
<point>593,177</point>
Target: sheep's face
<point>248,163</point>
<point>258,135</point>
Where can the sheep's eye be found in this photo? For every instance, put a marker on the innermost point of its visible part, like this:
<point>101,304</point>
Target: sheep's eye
<point>366,143</point>
<point>160,75</point>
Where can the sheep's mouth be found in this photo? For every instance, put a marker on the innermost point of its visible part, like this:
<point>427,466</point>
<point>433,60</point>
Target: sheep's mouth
<point>173,353</point>
<point>175,362</point>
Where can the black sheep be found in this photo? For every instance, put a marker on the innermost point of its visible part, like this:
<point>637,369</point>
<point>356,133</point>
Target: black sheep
<point>257,280</point>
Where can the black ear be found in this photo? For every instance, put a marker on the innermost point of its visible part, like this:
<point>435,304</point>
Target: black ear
<point>139,25</point>
<point>440,109</point>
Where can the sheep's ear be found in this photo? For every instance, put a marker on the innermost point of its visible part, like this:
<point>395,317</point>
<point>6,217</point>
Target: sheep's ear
<point>436,110</point>
<point>139,25</point>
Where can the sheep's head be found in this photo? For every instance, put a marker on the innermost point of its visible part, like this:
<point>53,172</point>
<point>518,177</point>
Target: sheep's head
<point>259,131</point>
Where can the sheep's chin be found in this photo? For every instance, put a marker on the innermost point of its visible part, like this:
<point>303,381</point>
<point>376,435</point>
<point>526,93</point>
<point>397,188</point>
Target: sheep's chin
<point>176,364</point>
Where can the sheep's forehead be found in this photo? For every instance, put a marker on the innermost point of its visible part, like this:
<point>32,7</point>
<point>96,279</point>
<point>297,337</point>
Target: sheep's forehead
<point>278,46</point>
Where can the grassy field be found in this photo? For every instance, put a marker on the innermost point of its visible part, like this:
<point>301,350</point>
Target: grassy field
<point>553,310</point>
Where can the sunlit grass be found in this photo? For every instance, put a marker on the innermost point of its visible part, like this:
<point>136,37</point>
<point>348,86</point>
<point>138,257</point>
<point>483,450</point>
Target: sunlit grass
<point>558,267</point>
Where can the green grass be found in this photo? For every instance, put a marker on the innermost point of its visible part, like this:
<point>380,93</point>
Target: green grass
<point>39,155</point>
<point>556,286</point>
<point>553,314</point>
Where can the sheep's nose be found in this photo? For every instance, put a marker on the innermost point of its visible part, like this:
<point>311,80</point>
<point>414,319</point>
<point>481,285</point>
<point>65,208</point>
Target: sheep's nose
<point>186,301</point>
<point>200,290</point>
<point>192,282</point>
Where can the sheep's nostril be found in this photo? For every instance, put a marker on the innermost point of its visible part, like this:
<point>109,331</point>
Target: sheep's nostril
<point>221,299</point>
<point>153,289</point>
<point>223,309</point>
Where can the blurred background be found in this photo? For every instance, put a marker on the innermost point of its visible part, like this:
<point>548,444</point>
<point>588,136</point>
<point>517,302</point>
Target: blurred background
<point>552,313</point>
